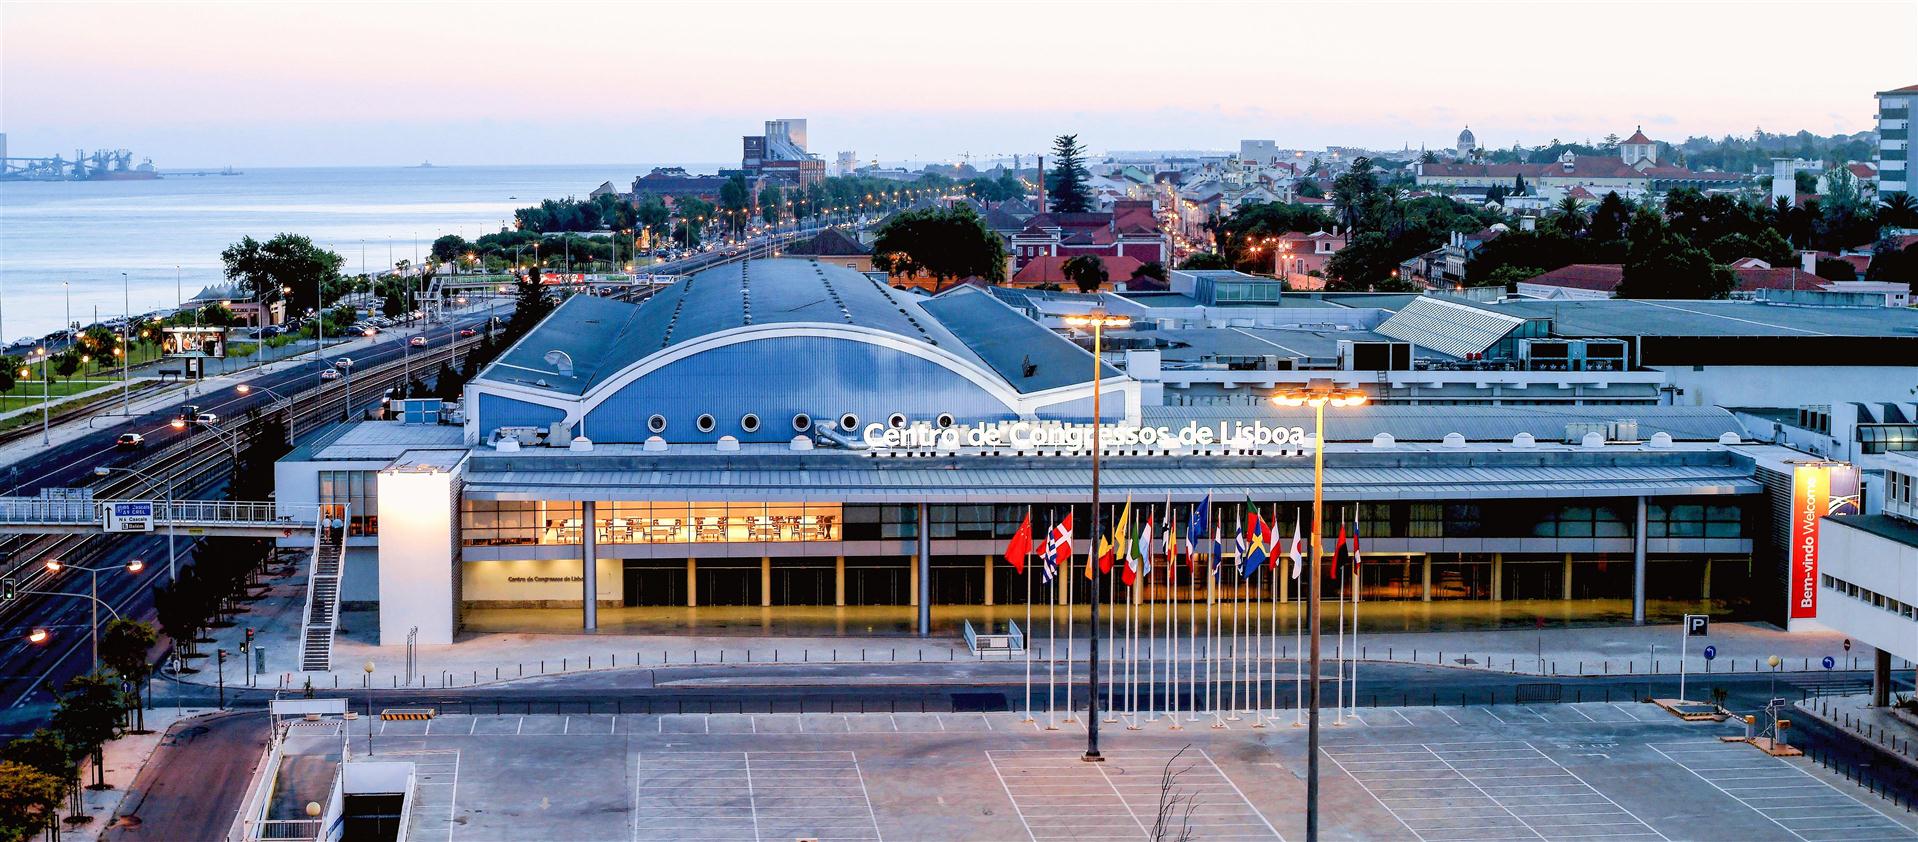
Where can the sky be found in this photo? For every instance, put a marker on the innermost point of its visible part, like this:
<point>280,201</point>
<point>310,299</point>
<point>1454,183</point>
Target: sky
<point>358,83</point>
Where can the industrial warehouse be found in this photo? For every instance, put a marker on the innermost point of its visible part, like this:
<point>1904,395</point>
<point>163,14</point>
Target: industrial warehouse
<point>801,448</point>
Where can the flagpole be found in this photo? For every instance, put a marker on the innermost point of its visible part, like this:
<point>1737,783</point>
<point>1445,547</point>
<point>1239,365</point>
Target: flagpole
<point>1052,605</point>
<point>1357,587</point>
<point>1338,649</point>
<point>1212,629</point>
<point>1112,637</point>
<point>1152,637</point>
<point>1070,679</point>
<point>1238,580</point>
<point>1025,634</point>
<point>1272,629</point>
<point>1298,632</point>
<point>1192,606</point>
<point>1172,631</point>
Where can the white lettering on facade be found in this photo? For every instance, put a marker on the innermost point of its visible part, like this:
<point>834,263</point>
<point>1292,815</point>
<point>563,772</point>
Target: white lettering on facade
<point>1078,438</point>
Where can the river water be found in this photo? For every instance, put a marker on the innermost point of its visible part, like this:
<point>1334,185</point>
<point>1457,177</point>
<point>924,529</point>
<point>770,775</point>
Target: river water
<point>64,245</point>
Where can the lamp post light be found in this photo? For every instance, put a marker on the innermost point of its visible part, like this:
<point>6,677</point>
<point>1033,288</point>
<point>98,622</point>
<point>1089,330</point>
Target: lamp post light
<point>1098,320</point>
<point>1316,394</point>
<point>55,565</point>
<point>369,707</point>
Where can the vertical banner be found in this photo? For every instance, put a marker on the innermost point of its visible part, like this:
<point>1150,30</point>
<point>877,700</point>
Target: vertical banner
<point>1814,491</point>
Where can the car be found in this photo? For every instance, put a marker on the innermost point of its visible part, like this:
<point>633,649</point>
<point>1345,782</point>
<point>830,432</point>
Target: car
<point>206,418</point>
<point>467,331</point>
<point>343,362</point>
<point>329,374</point>
<point>130,440</point>
<point>417,342</point>
<point>369,330</point>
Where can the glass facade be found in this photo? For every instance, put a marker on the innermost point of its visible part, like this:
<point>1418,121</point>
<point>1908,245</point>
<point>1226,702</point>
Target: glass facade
<point>359,491</point>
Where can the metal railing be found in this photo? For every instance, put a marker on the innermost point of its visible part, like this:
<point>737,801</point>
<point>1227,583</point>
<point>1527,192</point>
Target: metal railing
<point>286,829</point>
<point>35,511</point>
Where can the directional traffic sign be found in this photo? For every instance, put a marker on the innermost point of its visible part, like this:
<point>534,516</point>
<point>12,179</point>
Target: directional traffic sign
<point>1711,652</point>
<point>130,516</point>
<point>1696,624</point>
<point>1829,662</point>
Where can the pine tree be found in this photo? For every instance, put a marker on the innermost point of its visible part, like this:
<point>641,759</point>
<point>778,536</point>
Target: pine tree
<point>1066,189</point>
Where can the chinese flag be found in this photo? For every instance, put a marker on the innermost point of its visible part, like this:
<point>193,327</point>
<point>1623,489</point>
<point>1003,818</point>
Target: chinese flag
<point>1021,544</point>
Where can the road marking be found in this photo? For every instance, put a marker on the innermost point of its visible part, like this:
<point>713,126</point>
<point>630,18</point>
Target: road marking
<point>1488,712</point>
<point>1009,796</point>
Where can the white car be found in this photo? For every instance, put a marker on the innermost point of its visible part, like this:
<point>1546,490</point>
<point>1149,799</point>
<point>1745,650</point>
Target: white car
<point>417,342</point>
<point>329,374</point>
<point>206,418</point>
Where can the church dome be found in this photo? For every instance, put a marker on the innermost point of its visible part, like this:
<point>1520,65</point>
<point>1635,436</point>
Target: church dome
<point>1466,140</point>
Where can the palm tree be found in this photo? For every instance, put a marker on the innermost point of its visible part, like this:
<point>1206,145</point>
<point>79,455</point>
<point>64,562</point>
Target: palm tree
<point>1569,216</point>
<point>1899,211</point>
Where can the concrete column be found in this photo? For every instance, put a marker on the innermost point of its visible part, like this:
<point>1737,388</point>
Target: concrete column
<point>1285,581</point>
<point>1565,587</point>
<point>1880,678</point>
<point>589,566</point>
<point>1425,578</point>
<point>839,581</point>
<point>1498,577</point>
<point>912,580</point>
<point>692,582</point>
<point>924,569</point>
<point>1638,565</point>
<point>989,591</point>
<point>765,581</point>
<point>1705,588</point>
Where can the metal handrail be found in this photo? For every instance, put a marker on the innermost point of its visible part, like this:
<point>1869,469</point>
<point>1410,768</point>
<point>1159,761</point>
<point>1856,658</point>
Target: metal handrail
<point>35,510</point>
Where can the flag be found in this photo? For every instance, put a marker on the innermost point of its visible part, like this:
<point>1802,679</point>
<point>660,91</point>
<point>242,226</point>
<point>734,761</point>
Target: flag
<point>1059,546</point>
<point>1195,530</point>
<point>1171,543</point>
<point>1106,541</point>
<point>1021,544</point>
<point>1145,547</point>
<point>1339,558</point>
<point>1257,542</point>
<point>1218,550</point>
<point>1049,555</point>
<point>1298,557</point>
<point>1355,542</point>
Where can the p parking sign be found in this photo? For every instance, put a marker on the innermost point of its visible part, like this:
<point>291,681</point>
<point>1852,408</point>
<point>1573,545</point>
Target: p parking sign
<point>1696,625</point>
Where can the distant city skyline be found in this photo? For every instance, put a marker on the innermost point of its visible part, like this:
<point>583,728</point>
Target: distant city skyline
<point>198,85</point>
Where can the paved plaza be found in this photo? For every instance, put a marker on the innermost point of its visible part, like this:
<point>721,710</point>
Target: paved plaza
<point>1590,771</point>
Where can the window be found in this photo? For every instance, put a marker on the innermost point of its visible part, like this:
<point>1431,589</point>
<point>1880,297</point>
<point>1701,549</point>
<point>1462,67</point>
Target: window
<point>705,423</point>
<point>749,422</point>
<point>359,492</point>
<point>657,423</point>
<point>849,422</point>
<point>802,422</point>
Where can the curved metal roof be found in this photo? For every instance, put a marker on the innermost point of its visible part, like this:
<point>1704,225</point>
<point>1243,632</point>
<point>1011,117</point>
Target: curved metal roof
<point>600,337</point>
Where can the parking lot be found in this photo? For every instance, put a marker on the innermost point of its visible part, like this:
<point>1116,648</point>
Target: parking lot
<point>1589,771</point>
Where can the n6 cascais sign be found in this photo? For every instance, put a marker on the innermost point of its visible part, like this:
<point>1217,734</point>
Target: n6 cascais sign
<point>1816,491</point>
<point>1078,438</point>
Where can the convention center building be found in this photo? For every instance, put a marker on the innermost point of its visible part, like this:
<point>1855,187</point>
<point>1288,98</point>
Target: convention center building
<point>790,446</point>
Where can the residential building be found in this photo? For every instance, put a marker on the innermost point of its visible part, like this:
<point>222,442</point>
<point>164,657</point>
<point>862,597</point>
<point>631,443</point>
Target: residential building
<point>1634,172</point>
<point>1130,229</point>
<point>1894,140</point>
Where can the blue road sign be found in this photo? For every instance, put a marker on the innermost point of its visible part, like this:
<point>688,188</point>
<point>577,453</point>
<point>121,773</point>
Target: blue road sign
<point>1711,652</point>
<point>1829,662</point>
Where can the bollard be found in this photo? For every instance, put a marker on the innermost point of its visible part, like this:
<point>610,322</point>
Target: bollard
<point>589,662</point>
<point>563,664</point>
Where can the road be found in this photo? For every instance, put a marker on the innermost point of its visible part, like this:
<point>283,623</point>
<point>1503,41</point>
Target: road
<point>26,669</point>
<point>192,787</point>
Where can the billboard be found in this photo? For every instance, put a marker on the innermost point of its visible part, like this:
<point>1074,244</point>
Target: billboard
<point>1816,491</point>
<point>194,342</point>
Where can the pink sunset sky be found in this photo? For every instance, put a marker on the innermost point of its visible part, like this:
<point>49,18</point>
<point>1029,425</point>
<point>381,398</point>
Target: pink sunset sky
<point>288,84</point>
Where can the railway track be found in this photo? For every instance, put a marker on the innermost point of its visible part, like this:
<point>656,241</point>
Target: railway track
<point>196,464</point>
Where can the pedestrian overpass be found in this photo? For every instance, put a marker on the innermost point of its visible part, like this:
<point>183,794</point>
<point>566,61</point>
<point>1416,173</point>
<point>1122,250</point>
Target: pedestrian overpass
<point>93,516</point>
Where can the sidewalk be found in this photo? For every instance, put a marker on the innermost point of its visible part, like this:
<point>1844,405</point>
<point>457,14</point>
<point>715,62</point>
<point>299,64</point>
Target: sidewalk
<point>124,759</point>
<point>485,658</point>
<point>1876,725</point>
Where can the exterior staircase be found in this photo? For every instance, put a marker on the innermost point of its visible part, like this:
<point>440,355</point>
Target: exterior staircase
<point>323,592</point>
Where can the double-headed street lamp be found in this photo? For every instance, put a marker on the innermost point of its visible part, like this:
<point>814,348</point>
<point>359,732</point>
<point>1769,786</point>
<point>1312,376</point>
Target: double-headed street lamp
<point>1316,394</point>
<point>55,565</point>
<point>1098,320</point>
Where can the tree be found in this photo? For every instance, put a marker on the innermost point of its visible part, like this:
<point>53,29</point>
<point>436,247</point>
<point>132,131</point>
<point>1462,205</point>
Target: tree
<point>450,248</point>
<point>944,243</point>
<point>87,714</point>
<point>1366,263</point>
<point>1610,217</point>
<point>1066,189</point>
<point>1086,272</point>
<point>1888,263</point>
<point>1518,185</point>
<point>179,617</point>
<point>734,198</point>
<point>124,645</point>
<point>1150,269</point>
<point>771,203</point>
<point>652,215</point>
<point>1204,260</point>
<point>45,752</point>
<point>531,302</point>
<point>1899,210</point>
<point>28,800</point>
<point>288,261</point>
<point>1661,264</point>
<point>1352,191</point>
<point>1833,269</point>
<point>1568,217</point>
<point>447,383</point>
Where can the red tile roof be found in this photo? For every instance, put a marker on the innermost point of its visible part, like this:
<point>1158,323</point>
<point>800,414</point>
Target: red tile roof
<point>1863,170</point>
<point>1603,277</point>
<point>1049,270</point>
<point>1638,136</point>
<point>1908,89</point>
<point>1786,278</point>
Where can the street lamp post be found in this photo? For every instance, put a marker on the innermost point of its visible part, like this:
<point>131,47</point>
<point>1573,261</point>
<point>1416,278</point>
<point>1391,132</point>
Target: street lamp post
<point>1316,394</point>
<point>54,565</point>
<point>171,566</point>
<point>1098,320</point>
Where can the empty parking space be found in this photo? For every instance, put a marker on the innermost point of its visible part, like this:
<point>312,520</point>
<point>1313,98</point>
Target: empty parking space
<point>1059,796</point>
<point>730,795</point>
<point>1485,790</point>
<point>1800,805</point>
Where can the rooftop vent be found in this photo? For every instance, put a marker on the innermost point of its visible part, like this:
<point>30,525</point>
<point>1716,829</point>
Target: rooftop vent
<point>1524,440</point>
<point>1383,440</point>
<point>1729,438</point>
<point>1661,440</point>
<point>655,444</point>
<point>1592,440</point>
<point>1454,440</point>
<point>561,362</point>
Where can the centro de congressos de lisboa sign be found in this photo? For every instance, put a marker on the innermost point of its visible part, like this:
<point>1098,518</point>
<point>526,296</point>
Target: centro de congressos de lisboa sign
<point>1077,438</point>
